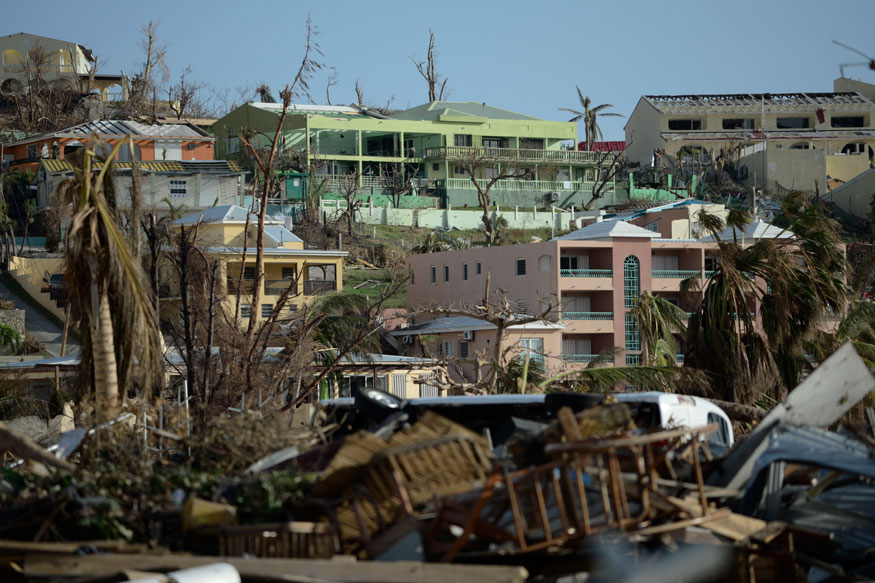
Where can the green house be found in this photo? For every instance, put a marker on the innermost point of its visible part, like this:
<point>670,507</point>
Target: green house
<point>424,150</point>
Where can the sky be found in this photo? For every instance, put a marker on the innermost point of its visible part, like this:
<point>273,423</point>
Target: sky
<point>523,56</point>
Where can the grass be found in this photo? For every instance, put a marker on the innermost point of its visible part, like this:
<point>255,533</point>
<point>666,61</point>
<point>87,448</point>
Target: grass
<point>353,276</point>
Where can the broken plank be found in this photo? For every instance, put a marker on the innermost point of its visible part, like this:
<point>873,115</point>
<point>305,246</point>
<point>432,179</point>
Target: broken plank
<point>50,565</point>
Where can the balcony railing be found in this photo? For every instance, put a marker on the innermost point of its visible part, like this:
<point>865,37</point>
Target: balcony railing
<point>276,287</point>
<point>578,358</point>
<point>315,287</point>
<point>518,154</point>
<point>528,185</point>
<point>709,273</point>
<point>334,182</point>
<point>569,315</point>
<point>585,272</point>
<point>675,273</point>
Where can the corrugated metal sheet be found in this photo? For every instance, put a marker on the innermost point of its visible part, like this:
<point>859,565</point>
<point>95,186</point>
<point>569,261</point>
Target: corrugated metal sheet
<point>158,166</point>
<point>615,146</point>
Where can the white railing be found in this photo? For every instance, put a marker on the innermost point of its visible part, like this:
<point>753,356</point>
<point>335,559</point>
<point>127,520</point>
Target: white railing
<point>527,185</point>
<point>519,154</point>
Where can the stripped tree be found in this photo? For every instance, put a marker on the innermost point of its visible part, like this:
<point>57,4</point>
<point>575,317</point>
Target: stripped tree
<point>429,72</point>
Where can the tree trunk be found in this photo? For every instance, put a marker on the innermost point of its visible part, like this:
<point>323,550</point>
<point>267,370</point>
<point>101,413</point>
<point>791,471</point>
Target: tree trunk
<point>105,369</point>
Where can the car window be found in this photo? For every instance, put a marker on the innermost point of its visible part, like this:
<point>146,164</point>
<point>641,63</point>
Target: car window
<point>721,436</point>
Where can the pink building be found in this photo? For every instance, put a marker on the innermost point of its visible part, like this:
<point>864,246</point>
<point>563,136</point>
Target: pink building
<point>590,277</point>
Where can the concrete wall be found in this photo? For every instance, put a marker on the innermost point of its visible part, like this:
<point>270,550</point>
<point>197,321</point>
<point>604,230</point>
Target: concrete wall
<point>29,273</point>
<point>461,219</point>
<point>847,166</point>
<point>855,197</point>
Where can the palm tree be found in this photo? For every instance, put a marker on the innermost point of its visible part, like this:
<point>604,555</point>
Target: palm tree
<point>263,93</point>
<point>107,287</point>
<point>792,283</point>
<point>590,116</point>
<point>658,321</point>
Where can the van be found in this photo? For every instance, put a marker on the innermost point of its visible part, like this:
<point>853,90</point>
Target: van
<point>649,409</point>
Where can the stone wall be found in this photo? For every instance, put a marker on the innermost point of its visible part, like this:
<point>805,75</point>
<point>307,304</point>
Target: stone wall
<point>15,319</point>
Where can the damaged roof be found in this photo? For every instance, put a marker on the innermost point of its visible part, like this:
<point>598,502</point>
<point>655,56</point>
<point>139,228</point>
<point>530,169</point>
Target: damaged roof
<point>737,101</point>
<point>53,166</point>
<point>434,110</point>
<point>608,230</point>
<point>123,128</point>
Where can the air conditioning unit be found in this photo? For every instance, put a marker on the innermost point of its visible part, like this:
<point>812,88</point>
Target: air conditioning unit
<point>468,335</point>
<point>408,339</point>
<point>554,196</point>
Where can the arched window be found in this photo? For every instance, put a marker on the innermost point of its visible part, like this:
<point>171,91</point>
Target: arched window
<point>631,281</point>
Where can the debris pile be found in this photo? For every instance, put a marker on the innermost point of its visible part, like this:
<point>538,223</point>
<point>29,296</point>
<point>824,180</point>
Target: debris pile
<point>583,488</point>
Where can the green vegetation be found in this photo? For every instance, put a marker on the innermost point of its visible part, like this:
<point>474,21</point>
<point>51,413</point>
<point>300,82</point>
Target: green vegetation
<point>371,281</point>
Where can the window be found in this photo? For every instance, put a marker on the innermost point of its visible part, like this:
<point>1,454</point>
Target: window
<point>463,349</point>
<point>793,123</point>
<point>631,281</point>
<point>232,145</point>
<point>465,271</point>
<point>449,348</point>
<point>739,124</point>
<point>479,270</point>
<point>848,121</point>
<point>534,347</point>
<point>435,167</point>
<point>290,273</point>
<point>266,310</point>
<point>433,274</point>
<point>462,140</point>
<point>568,262</point>
<point>409,150</point>
<point>545,262</point>
<point>681,125</point>
<point>245,312</point>
<point>178,188</point>
<point>32,152</point>
<point>411,277</point>
<point>654,226</point>
<point>633,338</point>
<point>249,273</point>
<point>633,359</point>
<point>458,170</point>
<point>520,266</point>
<point>721,436</point>
<point>854,148</point>
<point>522,307</point>
<point>800,146</point>
<point>494,142</point>
<point>446,273</point>
<point>531,143</point>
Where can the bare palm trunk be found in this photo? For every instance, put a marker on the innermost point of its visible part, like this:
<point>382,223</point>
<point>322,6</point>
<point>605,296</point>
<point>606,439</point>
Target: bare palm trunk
<point>105,370</point>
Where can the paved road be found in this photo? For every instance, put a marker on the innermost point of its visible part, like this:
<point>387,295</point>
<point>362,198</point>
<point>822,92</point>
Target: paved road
<point>40,327</point>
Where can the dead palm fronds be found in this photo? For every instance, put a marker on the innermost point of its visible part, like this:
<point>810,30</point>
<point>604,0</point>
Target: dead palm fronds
<point>108,291</point>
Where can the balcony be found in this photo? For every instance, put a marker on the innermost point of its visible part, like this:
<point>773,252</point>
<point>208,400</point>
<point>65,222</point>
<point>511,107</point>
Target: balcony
<point>675,273</point>
<point>277,287</point>
<point>513,154</point>
<point>316,287</point>
<point>585,272</point>
<point>525,185</point>
<point>579,358</point>
<point>587,315</point>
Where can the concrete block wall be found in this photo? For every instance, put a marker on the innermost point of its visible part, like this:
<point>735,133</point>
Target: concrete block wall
<point>29,273</point>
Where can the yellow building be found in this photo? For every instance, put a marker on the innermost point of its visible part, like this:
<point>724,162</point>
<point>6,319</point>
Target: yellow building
<point>222,235</point>
<point>780,140</point>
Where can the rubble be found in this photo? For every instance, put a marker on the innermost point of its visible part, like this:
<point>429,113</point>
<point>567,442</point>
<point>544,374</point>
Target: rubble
<point>572,491</point>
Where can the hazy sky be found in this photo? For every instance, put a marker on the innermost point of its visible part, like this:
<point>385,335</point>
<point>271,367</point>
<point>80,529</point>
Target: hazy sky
<point>523,56</point>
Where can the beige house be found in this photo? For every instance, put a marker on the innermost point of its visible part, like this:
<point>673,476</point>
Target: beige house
<point>68,64</point>
<point>780,140</point>
<point>222,235</point>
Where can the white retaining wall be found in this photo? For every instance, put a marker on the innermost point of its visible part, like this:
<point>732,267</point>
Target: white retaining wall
<point>447,218</point>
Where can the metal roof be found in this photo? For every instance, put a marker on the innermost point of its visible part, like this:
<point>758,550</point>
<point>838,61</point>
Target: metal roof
<point>758,101</point>
<point>53,166</point>
<point>758,135</point>
<point>112,127</point>
<point>752,231</point>
<point>607,230</point>
<point>434,109</point>
<point>615,146</point>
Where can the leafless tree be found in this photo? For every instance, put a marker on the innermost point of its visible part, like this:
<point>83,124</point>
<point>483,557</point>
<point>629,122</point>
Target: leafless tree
<point>398,180</point>
<point>184,97</point>
<point>349,189</point>
<point>331,82</point>
<point>477,160</point>
<point>266,161</point>
<point>380,109</point>
<point>143,90</point>
<point>429,72</point>
<point>608,166</point>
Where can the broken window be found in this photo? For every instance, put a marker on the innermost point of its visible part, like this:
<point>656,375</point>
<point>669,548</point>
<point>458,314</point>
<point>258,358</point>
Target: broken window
<point>462,140</point>
<point>532,143</point>
<point>684,124</point>
<point>739,124</point>
<point>854,148</point>
<point>793,123</point>
<point>848,121</point>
